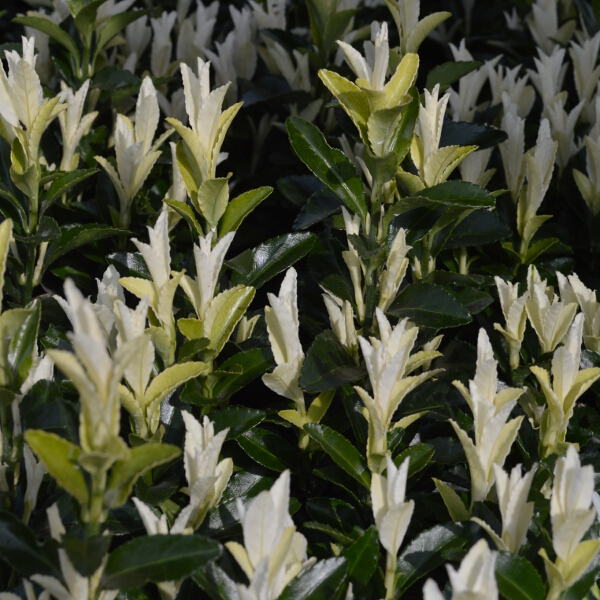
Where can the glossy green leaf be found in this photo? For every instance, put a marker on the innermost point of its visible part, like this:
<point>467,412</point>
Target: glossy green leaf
<point>429,305</point>
<point>22,346</point>
<point>426,552</point>
<point>449,72</point>
<point>330,165</point>
<point>336,513</point>
<point>60,457</point>
<point>115,24</point>
<point>216,583</point>
<point>328,365</point>
<point>21,550</point>
<point>238,419</point>
<point>472,299</point>
<point>343,453</point>
<point>268,449</point>
<point>47,231</point>
<point>257,266</point>
<point>318,207</point>
<point>50,28</point>
<point>73,236</point>
<point>518,579</point>
<point>363,556</point>
<point>240,207</point>
<point>320,582</point>
<point>471,134</point>
<point>125,473</point>
<point>157,558</point>
<point>86,554</point>
<point>253,364</point>
<point>63,183</point>
<point>420,456</point>
<point>479,228</point>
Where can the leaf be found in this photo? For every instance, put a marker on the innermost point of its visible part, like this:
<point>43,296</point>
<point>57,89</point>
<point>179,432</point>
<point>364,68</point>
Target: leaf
<point>426,552</point>
<point>462,133</point>
<point>22,346</point>
<point>157,558</point>
<point>216,583</point>
<point>318,207</point>
<point>212,199</point>
<point>363,556</point>
<point>47,231</point>
<point>257,266</point>
<point>126,472</point>
<point>330,165</point>
<point>60,457</point>
<point>454,504</point>
<point>335,513</point>
<point>343,453</point>
<point>21,551</point>
<point>517,578</point>
<point>53,30</point>
<point>240,207</point>
<point>185,211</point>
<point>63,183</point>
<point>238,419</point>
<point>253,363</point>
<point>268,449</point>
<point>86,554</point>
<point>479,228</point>
<point>472,299</point>
<point>319,582</point>
<point>115,24</point>
<point>429,305</point>
<point>449,72</point>
<point>420,456</point>
<point>328,365</point>
<point>73,236</point>
<point>225,312</point>
<point>171,378</point>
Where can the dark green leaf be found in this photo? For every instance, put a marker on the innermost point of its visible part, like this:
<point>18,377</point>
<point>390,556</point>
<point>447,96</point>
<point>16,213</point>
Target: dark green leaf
<point>320,582</point>
<point>343,453</point>
<point>425,553</point>
<point>472,299</point>
<point>157,558</point>
<point>318,207</point>
<point>268,449</point>
<point>363,556</point>
<point>429,305</point>
<point>257,266</point>
<point>517,578</point>
<point>21,551</point>
<point>336,513</point>
<point>64,183</point>
<point>238,419</point>
<point>252,363</point>
<point>420,455</point>
<point>48,230</point>
<point>216,583</point>
<point>339,477</point>
<point>449,72</point>
<point>330,165</point>
<point>73,236</point>
<point>22,346</point>
<point>328,365</point>
<point>86,554</point>
<point>471,134</point>
<point>478,228</point>
<point>129,264</point>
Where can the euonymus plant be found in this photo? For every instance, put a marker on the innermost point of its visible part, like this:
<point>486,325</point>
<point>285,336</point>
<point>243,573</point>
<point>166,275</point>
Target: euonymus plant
<point>298,300</point>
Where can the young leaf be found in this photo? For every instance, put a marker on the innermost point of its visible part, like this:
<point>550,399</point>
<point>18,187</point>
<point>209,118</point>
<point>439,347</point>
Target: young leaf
<point>240,207</point>
<point>22,346</point>
<point>60,457</point>
<point>343,453</point>
<point>330,165</point>
<point>157,558</point>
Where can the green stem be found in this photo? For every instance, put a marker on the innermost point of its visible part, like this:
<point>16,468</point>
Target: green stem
<point>371,281</point>
<point>390,576</point>
<point>96,505</point>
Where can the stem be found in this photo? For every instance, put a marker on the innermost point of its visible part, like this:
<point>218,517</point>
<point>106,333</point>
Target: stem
<point>7,431</point>
<point>371,280</point>
<point>96,505</point>
<point>390,576</point>
<point>29,271</point>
